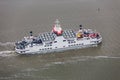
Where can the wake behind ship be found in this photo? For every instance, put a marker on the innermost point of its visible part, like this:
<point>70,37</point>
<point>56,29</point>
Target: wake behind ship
<point>58,40</point>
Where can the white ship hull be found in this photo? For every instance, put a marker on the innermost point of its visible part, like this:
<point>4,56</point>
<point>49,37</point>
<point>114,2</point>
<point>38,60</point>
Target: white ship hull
<point>40,49</point>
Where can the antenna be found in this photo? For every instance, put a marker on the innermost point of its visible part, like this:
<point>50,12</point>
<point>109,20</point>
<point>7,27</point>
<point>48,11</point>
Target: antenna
<point>57,21</point>
<point>31,33</point>
<point>80,26</point>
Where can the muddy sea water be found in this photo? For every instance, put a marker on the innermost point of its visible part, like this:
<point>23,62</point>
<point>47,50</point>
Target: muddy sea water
<point>18,17</point>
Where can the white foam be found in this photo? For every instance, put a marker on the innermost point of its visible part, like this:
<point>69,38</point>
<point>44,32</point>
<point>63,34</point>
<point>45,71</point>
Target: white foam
<point>58,62</point>
<point>87,58</point>
<point>105,57</point>
<point>30,69</point>
<point>7,43</point>
<point>6,53</point>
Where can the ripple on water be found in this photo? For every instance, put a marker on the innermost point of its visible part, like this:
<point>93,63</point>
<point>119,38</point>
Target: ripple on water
<point>7,53</point>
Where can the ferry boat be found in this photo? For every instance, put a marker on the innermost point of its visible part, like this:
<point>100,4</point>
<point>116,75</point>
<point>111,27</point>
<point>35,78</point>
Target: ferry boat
<point>58,40</point>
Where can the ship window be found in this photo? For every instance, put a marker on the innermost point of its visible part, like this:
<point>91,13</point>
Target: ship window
<point>81,44</point>
<point>64,40</point>
<point>55,47</point>
<point>55,41</point>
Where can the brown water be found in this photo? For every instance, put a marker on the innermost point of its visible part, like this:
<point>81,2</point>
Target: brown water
<point>18,17</point>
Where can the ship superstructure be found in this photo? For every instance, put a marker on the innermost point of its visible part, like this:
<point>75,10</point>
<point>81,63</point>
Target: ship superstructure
<point>58,40</point>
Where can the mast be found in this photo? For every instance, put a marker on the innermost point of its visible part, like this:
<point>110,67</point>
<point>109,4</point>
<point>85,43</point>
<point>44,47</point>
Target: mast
<point>31,33</point>
<point>57,28</point>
